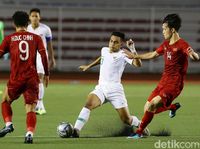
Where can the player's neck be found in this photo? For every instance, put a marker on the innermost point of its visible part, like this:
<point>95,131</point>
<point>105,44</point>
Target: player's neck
<point>34,26</point>
<point>20,29</point>
<point>175,37</point>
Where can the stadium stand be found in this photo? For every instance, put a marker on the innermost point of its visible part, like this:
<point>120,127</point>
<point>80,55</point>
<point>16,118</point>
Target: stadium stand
<point>79,34</point>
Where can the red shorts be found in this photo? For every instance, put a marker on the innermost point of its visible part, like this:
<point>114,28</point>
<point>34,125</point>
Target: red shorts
<point>28,87</point>
<point>168,93</point>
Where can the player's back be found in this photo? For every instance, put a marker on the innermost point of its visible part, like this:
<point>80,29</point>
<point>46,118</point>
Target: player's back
<point>22,47</point>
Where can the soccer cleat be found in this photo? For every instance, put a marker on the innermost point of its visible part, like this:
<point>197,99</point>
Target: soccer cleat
<point>28,139</point>
<point>6,129</point>
<point>172,113</point>
<point>145,132</point>
<point>76,133</point>
<point>135,136</point>
<point>40,112</point>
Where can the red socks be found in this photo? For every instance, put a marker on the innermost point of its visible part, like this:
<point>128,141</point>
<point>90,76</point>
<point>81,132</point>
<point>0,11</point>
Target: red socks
<point>148,116</point>
<point>6,111</point>
<point>162,109</point>
<point>31,121</point>
<point>7,116</point>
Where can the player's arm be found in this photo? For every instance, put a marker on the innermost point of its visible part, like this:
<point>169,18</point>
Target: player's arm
<point>45,65</point>
<point>137,62</point>
<point>149,55</point>
<point>3,47</point>
<point>1,53</point>
<point>94,63</point>
<point>193,55</point>
<point>52,62</point>
<point>43,54</point>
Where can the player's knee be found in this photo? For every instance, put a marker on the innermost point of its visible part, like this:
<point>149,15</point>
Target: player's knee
<point>150,107</point>
<point>90,104</point>
<point>30,108</point>
<point>6,99</point>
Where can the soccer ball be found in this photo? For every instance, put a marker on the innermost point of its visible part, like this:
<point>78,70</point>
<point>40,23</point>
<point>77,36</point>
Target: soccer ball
<point>65,129</point>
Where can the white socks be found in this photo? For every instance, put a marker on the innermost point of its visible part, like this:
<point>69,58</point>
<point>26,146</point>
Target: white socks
<point>40,104</point>
<point>135,122</point>
<point>41,91</point>
<point>82,118</point>
<point>8,124</point>
<point>29,132</point>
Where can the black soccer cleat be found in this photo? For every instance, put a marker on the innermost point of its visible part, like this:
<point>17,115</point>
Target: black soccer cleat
<point>6,129</point>
<point>172,113</point>
<point>28,139</point>
<point>76,133</point>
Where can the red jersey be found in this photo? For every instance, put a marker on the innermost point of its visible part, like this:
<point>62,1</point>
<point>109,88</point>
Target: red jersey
<point>176,62</point>
<point>23,47</point>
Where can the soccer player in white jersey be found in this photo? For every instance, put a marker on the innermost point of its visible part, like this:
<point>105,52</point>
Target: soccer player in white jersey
<point>109,89</point>
<point>45,33</point>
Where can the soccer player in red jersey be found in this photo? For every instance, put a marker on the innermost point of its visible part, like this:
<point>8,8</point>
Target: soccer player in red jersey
<point>175,52</point>
<point>23,47</point>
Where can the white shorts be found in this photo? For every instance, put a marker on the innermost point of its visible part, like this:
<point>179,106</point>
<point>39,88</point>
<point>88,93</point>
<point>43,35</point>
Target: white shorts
<point>40,68</point>
<point>113,93</point>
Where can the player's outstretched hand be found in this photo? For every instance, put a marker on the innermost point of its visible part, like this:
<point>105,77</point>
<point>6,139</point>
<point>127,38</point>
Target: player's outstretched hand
<point>193,55</point>
<point>46,80</point>
<point>131,45</point>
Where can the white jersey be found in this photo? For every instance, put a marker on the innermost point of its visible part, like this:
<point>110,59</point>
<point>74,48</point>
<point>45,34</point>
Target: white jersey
<point>112,66</point>
<point>45,33</point>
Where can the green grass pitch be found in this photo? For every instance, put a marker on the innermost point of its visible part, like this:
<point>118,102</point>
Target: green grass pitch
<point>64,101</point>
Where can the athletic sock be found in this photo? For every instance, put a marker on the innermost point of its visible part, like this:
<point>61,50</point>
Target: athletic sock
<point>40,104</point>
<point>29,132</point>
<point>148,116</point>
<point>8,124</point>
<point>135,121</point>
<point>162,109</point>
<point>31,121</point>
<point>82,118</point>
<point>172,107</point>
<point>6,111</point>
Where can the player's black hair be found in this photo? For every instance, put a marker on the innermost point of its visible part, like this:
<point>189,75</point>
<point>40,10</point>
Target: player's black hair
<point>119,34</point>
<point>173,21</point>
<point>20,19</point>
<point>34,10</point>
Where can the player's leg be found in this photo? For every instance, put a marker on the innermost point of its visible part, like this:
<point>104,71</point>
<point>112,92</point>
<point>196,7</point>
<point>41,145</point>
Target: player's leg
<point>30,122</point>
<point>150,108</point>
<point>173,108</point>
<point>31,98</point>
<point>127,118</point>
<point>170,92</point>
<point>40,109</point>
<point>93,101</point>
<point>6,113</point>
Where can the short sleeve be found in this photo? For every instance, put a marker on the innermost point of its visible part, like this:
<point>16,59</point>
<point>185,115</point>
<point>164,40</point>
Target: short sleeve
<point>160,49</point>
<point>48,34</point>
<point>185,47</point>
